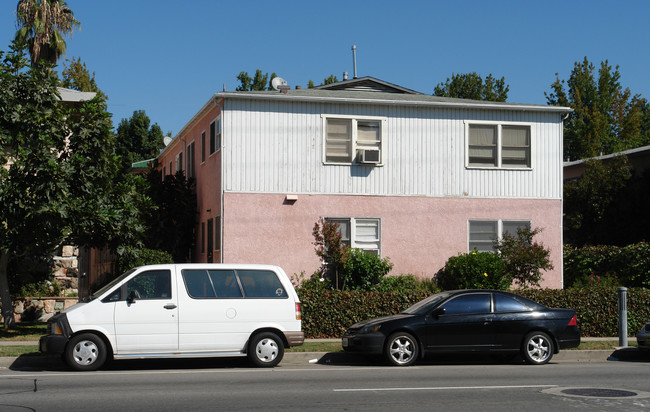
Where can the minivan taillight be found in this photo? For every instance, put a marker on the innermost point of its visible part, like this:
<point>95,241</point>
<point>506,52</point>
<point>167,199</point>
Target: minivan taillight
<point>298,311</point>
<point>573,321</point>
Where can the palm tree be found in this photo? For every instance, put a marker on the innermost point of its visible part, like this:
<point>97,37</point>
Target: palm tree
<point>41,27</point>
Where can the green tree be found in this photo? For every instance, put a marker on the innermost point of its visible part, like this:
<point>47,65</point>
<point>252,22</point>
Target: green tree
<point>258,83</point>
<point>524,258</point>
<point>76,76</point>
<point>472,86</point>
<point>588,200</point>
<point>170,227</point>
<point>42,24</point>
<point>59,179</point>
<point>606,118</point>
<point>137,139</point>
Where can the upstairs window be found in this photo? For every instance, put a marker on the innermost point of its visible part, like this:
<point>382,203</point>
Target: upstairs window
<point>215,135</point>
<point>190,160</point>
<point>495,145</point>
<point>350,139</point>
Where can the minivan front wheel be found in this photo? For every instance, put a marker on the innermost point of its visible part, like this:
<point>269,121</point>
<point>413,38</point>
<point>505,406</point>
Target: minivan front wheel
<point>85,352</point>
<point>265,349</point>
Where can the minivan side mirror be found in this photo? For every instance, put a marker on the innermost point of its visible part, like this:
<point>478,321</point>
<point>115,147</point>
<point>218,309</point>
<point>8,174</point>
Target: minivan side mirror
<point>131,298</point>
<point>437,312</point>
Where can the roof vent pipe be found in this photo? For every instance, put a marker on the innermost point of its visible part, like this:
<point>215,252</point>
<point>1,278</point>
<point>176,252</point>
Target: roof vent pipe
<point>345,75</point>
<point>354,60</point>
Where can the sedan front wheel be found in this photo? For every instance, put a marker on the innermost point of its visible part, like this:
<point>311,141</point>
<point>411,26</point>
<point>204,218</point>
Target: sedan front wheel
<point>401,349</point>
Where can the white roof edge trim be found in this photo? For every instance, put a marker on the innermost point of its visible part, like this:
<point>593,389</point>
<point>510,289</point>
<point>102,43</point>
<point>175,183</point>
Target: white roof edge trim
<point>207,106</point>
<point>469,105</point>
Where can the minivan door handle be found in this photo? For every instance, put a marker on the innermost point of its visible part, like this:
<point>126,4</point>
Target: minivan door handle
<point>170,306</point>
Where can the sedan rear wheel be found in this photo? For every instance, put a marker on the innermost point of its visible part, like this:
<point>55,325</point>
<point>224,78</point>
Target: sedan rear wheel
<point>537,348</point>
<point>401,349</point>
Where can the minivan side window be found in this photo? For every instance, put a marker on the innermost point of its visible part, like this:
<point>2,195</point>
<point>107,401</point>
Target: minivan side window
<point>152,284</point>
<point>261,284</point>
<point>211,284</point>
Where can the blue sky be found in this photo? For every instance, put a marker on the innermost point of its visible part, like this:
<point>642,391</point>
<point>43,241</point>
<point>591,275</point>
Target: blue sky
<point>168,57</point>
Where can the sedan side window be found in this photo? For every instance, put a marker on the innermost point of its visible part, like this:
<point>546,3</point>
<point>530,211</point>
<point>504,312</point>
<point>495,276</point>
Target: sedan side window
<point>507,304</point>
<point>478,303</point>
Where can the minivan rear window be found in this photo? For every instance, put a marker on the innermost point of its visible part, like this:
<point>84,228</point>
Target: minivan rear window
<point>261,284</point>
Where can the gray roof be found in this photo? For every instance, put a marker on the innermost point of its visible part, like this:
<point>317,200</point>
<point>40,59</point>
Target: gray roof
<point>74,96</point>
<point>382,98</point>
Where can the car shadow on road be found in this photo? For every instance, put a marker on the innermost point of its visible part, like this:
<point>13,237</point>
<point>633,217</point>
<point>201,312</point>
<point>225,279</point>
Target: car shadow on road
<point>629,355</point>
<point>354,359</point>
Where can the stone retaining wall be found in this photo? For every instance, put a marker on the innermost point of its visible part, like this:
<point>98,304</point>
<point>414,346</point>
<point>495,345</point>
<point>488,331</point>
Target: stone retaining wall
<point>32,309</point>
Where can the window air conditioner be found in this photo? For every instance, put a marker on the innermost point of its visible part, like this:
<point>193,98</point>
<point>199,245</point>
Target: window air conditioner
<point>371,156</point>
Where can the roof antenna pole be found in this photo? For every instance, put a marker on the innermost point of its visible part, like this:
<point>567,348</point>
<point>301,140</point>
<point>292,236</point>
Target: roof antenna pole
<point>354,59</point>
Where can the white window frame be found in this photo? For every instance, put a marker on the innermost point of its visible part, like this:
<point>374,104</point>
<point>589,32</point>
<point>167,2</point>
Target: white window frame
<point>355,145</point>
<point>499,233</point>
<point>179,162</point>
<point>499,144</point>
<point>354,224</point>
<point>215,141</point>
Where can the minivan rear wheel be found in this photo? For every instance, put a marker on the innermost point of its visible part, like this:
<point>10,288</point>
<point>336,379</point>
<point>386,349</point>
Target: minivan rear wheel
<point>85,352</point>
<point>265,350</point>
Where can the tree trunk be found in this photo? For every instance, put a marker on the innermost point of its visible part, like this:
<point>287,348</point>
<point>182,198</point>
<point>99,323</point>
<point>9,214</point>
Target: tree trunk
<point>5,296</point>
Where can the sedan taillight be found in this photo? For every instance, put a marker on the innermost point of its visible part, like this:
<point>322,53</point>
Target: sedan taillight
<point>573,321</point>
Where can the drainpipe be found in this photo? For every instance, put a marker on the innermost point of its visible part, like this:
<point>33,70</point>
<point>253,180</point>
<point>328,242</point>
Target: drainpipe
<point>221,113</point>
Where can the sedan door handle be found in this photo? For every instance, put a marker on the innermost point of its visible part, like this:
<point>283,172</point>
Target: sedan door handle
<point>170,306</point>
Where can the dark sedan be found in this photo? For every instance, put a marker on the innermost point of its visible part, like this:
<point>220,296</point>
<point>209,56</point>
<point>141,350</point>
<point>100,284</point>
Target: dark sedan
<point>467,321</point>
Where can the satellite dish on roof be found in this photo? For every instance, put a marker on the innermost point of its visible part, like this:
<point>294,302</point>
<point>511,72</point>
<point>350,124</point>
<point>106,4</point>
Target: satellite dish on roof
<point>167,140</point>
<point>277,82</point>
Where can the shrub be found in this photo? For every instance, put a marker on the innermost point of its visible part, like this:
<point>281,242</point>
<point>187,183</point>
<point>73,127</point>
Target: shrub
<point>475,270</point>
<point>630,265</point>
<point>405,284</point>
<point>362,270</point>
<point>524,258</point>
<point>141,257</point>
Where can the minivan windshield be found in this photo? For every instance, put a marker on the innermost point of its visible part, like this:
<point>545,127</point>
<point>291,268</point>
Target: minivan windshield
<point>427,302</point>
<point>110,284</point>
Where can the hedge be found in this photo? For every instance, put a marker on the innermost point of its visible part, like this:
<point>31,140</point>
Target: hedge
<point>328,313</point>
<point>627,265</point>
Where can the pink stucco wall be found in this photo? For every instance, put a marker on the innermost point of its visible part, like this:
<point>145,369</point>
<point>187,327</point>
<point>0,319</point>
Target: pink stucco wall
<point>418,234</point>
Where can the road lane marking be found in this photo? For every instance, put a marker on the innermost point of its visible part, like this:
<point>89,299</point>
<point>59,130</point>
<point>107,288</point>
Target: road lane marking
<point>445,388</point>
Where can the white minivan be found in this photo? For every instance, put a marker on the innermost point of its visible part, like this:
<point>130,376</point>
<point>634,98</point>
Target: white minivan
<point>181,310</point>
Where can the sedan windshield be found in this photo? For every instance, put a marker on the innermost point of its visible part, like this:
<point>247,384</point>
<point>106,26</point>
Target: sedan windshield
<point>427,303</point>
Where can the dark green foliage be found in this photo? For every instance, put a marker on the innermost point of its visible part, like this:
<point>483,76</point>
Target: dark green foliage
<point>141,257</point>
<point>171,226</point>
<point>328,313</point>
<point>258,83</point>
<point>363,270</point>
<point>474,270</point>
<point>629,265</point>
<point>76,76</point>
<point>138,140</point>
<point>606,118</point>
<point>524,258</point>
<point>472,86</point>
<point>405,284</point>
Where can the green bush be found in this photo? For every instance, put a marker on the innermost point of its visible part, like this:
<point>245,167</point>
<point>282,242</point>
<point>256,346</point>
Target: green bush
<point>405,284</point>
<point>629,264</point>
<point>40,289</point>
<point>363,270</point>
<point>474,270</point>
<point>141,257</point>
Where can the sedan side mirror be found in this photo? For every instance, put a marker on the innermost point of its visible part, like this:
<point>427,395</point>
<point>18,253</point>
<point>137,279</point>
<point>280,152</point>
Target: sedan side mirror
<point>437,312</point>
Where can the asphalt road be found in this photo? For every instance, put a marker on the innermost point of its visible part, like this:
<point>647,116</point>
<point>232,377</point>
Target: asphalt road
<point>436,384</point>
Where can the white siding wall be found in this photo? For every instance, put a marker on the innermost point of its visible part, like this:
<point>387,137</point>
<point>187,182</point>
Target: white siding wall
<point>276,147</point>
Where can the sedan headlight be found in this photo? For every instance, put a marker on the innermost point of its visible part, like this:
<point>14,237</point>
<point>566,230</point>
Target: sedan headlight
<point>371,328</point>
